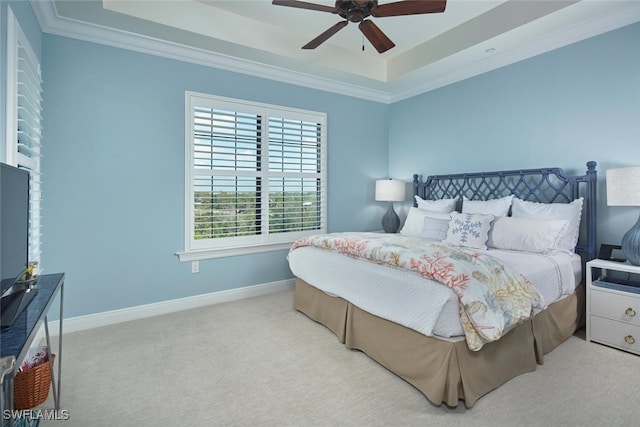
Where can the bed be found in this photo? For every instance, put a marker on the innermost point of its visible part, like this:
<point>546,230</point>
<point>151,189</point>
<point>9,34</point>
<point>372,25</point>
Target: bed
<point>351,297</point>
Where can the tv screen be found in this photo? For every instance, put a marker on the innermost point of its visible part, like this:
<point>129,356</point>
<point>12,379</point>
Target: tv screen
<point>14,223</point>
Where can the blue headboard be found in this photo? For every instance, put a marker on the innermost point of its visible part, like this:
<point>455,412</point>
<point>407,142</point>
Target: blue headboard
<point>547,185</point>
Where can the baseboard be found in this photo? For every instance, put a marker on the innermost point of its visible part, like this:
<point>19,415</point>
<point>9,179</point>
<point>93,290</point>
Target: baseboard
<point>112,317</point>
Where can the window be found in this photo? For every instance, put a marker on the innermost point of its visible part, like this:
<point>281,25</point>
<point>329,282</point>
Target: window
<point>23,124</point>
<point>255,176</point>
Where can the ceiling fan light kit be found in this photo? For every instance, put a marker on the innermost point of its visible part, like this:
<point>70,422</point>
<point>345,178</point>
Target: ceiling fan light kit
<point>360,10</point>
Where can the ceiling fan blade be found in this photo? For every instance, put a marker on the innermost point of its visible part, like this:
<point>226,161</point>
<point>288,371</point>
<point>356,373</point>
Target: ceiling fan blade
<point>409,7</point>
<point>378,39</point>
<point>324,36</point>
<point>305,5</point>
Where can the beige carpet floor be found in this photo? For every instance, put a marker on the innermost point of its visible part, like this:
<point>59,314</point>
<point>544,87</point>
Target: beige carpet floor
<point>257,362</point>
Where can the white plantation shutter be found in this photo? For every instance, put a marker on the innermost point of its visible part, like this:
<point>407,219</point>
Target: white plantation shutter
<point>24,118</point>
<point>255,174</point>
<point>295,175</point>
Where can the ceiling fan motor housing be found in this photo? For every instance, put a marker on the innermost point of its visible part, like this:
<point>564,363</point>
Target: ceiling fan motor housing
<point>354,10</point>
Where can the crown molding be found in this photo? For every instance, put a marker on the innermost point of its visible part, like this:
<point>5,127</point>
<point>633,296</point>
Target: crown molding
<point>416,83</point>
<point>52,23</point>
<point>591,27</point>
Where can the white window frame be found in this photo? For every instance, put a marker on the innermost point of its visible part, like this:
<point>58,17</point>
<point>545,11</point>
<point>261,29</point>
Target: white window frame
<point>29,100</point>
<point>265,241</point>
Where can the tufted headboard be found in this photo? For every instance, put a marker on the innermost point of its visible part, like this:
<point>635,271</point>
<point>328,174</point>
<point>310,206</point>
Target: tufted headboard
<point>546,185</point>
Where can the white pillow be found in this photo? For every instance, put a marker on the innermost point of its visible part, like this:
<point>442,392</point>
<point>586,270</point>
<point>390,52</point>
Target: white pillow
<point>470,230</point>
<point>570,212</point>
<point>415,222</point>
<point>528,235</point>
<point>497,207</point>
<point>442,205</point>
<point>435,229</point>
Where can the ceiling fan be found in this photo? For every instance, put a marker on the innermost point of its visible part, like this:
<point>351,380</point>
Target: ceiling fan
<point>359,10</point>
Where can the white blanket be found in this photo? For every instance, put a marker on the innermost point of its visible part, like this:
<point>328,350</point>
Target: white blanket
<point>402,297</point>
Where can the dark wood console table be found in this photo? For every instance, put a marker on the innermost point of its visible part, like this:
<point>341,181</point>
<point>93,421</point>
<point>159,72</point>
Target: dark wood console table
<point>17,338</point>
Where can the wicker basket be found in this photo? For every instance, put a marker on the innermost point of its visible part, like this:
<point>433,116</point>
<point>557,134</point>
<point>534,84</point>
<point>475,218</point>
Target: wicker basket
<point>31,387</point>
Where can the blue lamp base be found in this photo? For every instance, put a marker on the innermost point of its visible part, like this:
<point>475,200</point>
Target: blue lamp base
<point>390,220</point>
<point>631,244</point>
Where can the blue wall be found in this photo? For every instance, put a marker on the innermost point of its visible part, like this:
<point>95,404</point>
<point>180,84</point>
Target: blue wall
<point>114,173</point>
<point>563,108</point>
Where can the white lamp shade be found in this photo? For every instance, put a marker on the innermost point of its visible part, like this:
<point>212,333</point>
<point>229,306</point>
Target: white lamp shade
<point>390,190</point>
<point>623,186</point>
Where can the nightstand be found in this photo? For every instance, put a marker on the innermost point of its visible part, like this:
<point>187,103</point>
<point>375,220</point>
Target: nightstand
<point>613,306</point>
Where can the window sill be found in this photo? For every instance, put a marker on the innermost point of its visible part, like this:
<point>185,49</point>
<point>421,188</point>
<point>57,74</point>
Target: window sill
<point>229,252</point>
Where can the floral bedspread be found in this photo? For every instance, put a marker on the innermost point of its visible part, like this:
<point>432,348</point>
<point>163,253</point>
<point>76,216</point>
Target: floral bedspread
<point>493,297</point>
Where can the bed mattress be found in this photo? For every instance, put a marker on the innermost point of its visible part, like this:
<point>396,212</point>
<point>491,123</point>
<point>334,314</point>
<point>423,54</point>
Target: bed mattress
<point>421,304</point>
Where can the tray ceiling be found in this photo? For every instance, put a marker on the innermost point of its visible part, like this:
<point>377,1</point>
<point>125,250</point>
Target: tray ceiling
<point>258,38</point>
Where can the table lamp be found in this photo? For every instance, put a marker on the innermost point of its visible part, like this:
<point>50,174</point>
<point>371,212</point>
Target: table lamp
<point>623,189</point>
<point>390,190</point>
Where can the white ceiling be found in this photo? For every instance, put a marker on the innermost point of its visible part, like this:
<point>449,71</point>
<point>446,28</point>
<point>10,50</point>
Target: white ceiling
<point>258,38</point>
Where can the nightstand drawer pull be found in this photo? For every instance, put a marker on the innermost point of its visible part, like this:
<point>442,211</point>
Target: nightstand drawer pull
<point>629,339</point>
<point>630,312</point>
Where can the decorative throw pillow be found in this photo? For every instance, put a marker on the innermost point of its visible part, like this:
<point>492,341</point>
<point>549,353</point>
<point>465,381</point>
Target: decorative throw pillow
<point>530,235</point>
<point>442,205</point>
<point>470,230</point>
<point>415,222</point>
<point>571,212</point>
<point>435,228</point>
<point>497,207</point>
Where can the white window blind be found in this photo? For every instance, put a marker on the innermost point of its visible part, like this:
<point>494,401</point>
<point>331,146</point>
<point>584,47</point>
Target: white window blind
<point>255,175</point>
<point>24,121</point>
<point>295,185</point>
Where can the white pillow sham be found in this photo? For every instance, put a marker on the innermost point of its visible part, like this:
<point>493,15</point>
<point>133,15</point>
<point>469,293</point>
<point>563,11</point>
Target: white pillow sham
<point>496,207</point>
<point>470,230</point>
<point>571,212</point>
<point>530,235</point>
<point>415,223</point>
<point>442,205</point>
<point>435,229</point>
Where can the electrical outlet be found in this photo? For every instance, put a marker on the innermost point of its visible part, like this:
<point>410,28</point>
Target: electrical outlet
<point>195,266</point>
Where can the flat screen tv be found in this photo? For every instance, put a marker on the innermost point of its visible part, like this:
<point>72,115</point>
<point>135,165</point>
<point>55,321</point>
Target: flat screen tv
<point>14,241</point>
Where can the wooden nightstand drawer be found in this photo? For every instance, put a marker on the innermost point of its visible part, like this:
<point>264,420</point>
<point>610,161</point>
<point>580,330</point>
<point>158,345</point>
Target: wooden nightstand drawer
<point>617,334</point>
<point>617,306</point>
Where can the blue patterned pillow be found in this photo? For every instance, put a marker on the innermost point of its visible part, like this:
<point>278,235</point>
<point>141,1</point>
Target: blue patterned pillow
<point>470,230</point>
